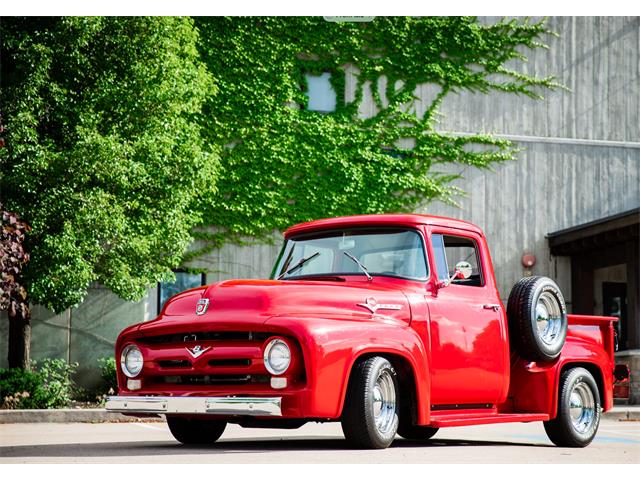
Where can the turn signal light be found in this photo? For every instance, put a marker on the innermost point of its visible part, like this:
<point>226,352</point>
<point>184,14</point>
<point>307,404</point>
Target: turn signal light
<point>134,384</point>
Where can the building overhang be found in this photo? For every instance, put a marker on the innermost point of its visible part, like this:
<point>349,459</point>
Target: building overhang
<point>606,232</point>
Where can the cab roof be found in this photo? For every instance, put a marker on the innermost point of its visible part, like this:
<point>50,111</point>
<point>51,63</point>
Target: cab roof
<point>386,219</point>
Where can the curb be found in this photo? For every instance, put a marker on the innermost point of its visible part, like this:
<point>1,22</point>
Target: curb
<point>629,413</point>
<point>68,415</point>
<point>100,415</point>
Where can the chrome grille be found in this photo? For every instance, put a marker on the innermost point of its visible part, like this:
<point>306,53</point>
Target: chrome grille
<point>212,379</point>
<point>203,337</point>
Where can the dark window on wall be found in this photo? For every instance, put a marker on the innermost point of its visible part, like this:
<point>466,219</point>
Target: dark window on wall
<point>614,304</point>
<point>184,281</point>
<point>320,93</point>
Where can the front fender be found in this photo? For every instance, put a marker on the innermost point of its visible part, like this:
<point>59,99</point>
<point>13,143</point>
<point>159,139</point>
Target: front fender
<point>331,347</point>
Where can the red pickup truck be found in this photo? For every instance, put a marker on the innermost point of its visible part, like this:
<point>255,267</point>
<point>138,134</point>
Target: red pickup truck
<point>390,324</point>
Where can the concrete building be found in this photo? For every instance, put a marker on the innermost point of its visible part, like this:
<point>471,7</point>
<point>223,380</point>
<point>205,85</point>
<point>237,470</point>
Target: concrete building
<point>571,201</point>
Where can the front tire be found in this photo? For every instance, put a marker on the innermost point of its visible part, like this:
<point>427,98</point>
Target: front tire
<point>370,414</point>
<point>195,431</point>
<point>578,410</point>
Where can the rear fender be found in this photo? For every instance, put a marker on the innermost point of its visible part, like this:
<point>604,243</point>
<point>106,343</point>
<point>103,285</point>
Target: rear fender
<point>605,386</point>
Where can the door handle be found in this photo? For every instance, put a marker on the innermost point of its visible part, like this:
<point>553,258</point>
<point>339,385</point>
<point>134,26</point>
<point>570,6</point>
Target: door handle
<point>491,306</point>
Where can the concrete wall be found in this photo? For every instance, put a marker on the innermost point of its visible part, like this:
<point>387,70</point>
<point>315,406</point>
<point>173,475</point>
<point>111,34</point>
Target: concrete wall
<point>82,334</point>
<point>558,181</point>
<point>597,58</point>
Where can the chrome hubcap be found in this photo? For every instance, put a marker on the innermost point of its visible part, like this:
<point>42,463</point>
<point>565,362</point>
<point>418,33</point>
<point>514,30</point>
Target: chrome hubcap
<point>582,408</point>
<point>548,319</point>
<point>384,402</point>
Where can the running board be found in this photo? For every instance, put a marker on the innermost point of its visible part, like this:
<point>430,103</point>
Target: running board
<point>458,419</point>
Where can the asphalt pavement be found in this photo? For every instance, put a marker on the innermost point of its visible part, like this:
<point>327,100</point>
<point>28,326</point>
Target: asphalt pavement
<point>616,442</point>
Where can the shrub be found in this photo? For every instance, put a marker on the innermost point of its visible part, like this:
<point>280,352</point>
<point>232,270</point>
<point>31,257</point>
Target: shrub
<point>48,385</point>
<point>108,374</point>
<point>14,382</point>
<point>56,376</point>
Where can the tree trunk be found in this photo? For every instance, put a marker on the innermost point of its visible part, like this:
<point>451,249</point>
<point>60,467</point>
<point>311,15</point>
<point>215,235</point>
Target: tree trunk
<point>19,333</point>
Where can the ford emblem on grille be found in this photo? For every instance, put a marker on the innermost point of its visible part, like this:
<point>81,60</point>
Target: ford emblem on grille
<point>197,351</point>
<point>202,306</point>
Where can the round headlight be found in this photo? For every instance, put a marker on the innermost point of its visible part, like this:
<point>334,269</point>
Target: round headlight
<point>131,361</point>
<point>277,357</point>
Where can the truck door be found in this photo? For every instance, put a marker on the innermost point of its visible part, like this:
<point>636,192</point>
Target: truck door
<point>469,344</point>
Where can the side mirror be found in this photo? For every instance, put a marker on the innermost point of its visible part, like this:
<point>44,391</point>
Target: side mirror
<point>463,271</point>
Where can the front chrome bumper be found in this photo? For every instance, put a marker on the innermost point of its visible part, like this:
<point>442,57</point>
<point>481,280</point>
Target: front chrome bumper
<point>254,406</point>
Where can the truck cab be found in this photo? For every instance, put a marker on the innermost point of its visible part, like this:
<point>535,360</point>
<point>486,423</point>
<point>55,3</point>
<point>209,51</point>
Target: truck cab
<point>390,324</point>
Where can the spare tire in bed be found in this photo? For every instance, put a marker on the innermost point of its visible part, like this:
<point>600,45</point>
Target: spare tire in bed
<point>537,319</point>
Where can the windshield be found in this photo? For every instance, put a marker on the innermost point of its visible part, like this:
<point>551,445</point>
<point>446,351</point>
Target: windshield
<point>382,252</point>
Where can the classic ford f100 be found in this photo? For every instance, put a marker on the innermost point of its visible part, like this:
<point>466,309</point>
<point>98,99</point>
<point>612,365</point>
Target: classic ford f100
<point>390,324</point>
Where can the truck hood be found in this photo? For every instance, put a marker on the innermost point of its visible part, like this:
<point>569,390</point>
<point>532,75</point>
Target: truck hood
<point>237,302</point>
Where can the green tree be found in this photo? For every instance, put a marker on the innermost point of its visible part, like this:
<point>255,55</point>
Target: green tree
<point>285,164</point>
<point>103,156</point>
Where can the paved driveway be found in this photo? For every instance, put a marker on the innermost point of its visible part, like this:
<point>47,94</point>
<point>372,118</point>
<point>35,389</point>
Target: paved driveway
<point>616,442</point>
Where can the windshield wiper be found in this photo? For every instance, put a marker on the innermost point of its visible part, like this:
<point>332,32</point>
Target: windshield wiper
<point>298,265</point>
<point>362,267</point>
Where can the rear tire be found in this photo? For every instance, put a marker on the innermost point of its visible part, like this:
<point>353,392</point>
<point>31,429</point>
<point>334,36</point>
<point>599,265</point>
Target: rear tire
<point>537,318</point>
<point>195,431</point>
<point>578,410</point>
<point>369,417</point>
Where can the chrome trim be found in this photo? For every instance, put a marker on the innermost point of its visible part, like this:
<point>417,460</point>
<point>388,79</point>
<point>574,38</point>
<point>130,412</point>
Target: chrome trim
<point>582,408</point>
<point>257,406</point>
<point>123,360</point>
<point>491,306</point>
<point>384,403</point>
<point>267,360</point>
<point>548,320</point>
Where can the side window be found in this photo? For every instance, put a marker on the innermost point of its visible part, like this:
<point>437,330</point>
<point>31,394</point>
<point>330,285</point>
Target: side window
<point>184,281</point>
<point>441,258</point>
<point>449,250</point>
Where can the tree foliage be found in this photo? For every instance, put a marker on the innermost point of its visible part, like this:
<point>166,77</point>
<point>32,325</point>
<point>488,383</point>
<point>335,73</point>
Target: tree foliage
<point>13,259</point>
<point>285,164</point>
<point>104,157</point>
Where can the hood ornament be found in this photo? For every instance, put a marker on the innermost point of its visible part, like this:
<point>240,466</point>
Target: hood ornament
<point>197,350</point>
<point>202,306</point>
<point>373,306</point>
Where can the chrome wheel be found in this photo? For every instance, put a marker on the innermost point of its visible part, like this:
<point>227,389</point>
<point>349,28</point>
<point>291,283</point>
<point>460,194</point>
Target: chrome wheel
<point>369,418</point>
<point>384,403</point>
<point>582,408</point>
<point>576,423</point>
<point>549,319</point>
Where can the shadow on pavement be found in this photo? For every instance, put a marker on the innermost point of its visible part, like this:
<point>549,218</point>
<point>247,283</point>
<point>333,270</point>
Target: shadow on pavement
<point>255,445</point>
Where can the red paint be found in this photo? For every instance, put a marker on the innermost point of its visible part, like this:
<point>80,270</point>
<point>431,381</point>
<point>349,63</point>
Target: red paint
<point>456,350</point>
